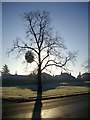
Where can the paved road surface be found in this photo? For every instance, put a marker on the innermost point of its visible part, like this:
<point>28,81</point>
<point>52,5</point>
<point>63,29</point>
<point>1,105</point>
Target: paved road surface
<point>69,107</point>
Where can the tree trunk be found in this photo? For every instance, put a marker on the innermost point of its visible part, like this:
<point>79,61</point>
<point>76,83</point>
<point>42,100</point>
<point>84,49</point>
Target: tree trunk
<point>39,75</point>
<point>39,80</point>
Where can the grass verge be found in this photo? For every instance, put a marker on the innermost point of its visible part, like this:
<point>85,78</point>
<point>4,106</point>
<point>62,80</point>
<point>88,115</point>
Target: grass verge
<point>28,94</point>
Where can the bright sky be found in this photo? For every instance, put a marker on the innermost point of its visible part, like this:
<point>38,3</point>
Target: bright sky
<point>69,19</point>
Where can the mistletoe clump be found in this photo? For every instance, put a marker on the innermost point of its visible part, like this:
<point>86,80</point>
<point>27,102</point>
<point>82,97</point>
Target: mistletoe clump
<point>29,57</point>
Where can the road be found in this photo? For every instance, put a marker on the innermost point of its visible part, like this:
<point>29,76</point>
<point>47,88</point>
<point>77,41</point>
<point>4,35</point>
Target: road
<point>69,107</point>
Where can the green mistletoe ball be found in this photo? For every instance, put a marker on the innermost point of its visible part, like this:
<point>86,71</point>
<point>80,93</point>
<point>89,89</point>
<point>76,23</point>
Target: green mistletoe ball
<point>29,57</point>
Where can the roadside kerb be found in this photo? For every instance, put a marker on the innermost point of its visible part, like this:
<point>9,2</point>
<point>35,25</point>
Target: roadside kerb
<point>43,98</point>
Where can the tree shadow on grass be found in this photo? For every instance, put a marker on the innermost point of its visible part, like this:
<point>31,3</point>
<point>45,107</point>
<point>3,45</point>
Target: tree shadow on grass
<point>37,107</point>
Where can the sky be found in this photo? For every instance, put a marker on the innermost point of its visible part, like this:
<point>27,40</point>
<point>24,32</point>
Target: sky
<point>70,20</point>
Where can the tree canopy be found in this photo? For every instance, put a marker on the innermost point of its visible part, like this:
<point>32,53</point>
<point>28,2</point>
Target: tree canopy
<point>42,44</point>
<point>48,48</point>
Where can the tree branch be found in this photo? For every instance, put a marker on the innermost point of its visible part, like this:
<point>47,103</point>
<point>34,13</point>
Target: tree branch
<point>59,64</point>
<point>33,32</point>
<point>44,58</point>
<point>17,46</point>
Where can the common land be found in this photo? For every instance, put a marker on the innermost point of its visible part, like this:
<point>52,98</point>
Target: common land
<point>26,90</point>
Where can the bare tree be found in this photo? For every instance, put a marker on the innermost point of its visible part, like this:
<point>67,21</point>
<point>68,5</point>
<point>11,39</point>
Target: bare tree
<point>86,65</point>
<point>47,47</point>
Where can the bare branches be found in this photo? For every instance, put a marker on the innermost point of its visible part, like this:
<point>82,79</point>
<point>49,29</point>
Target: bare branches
<point>42,39</point>
<point>29,18</point>
<point>16,45</point>
<point>38,26</point>
<point>86,65</point>
<point>71,57</point>
<point>45,58</point>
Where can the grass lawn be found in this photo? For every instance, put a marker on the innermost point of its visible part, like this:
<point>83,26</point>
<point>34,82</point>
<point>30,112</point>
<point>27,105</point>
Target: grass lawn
<point>66,90</point>
<point>18,93</point>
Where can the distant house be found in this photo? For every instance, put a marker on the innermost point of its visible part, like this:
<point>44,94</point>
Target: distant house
<point>79,76</point>
<point>85,76</point>
<point>46,78</point>
<point>65,76</point>
<point>17,80</point>
<point>14,77</point>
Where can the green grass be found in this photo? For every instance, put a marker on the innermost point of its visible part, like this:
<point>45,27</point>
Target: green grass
<point>14,92</point>
<point>18,93</point>
<point>66,90</point>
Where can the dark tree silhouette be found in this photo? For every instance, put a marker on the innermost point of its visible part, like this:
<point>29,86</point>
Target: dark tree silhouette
<point>44,46</point>
<point>5,69</point>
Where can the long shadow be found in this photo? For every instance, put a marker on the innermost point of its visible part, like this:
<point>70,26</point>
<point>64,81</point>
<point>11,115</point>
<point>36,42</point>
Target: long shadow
<point>37,107</point>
